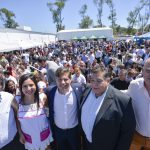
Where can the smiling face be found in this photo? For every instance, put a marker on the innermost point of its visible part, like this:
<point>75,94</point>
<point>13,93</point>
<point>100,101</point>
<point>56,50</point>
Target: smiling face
<point>11,85</point>
<point>28,87</point>
<point>63,79</point>
<point>63,83</point>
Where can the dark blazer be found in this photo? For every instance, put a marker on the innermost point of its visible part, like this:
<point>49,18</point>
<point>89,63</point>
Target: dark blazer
<point>115,122</point>
<point>50,92</point>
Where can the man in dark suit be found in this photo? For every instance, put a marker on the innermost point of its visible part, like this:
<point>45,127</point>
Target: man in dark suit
<point>64,104</point>
<point>107,116</point>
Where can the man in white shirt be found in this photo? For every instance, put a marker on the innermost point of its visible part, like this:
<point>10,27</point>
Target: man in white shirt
<point>107,116</point>
<point>91,57</point>
<point>26,57</point>
<point>98,54</point>
<point>9,139</point>
<point>64,101</point>
<point>78,77</point>
<point>139,91</point>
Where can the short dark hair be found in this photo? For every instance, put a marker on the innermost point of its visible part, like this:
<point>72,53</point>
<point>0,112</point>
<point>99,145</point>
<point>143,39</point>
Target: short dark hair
<point>99,69</point>
<point>42,58</point>
<point>7,88</point>
<point>60,71</point>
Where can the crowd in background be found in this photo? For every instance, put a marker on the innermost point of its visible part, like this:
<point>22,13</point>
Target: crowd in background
<point>79,57</point>
<point>122,61</point>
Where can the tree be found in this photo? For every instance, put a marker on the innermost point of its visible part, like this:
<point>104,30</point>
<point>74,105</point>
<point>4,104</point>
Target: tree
<point>56,10</point>
<point>143,21</point>
<point>99,4</point>
<point>98,26</point>
<point>83,10</point>
<point>147,28</point>
<point>112,16</point>
<point>118,29</point>
<point>86,21</point>
<point>7,17</point>
<point>134,16</point>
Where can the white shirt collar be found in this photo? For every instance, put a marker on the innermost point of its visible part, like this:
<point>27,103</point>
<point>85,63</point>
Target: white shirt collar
<point>141,84</point>
<point>70,90</point>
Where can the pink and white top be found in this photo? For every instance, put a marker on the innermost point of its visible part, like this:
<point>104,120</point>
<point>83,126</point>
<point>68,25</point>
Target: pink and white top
<point>35,126</point>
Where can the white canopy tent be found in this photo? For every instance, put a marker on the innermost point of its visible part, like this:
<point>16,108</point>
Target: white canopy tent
<point>12,39</point>
<point>80,33</point>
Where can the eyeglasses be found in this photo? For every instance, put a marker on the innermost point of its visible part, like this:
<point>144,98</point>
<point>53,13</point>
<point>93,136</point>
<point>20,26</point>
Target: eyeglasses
<point>97,81</point>
<point>60,80</point>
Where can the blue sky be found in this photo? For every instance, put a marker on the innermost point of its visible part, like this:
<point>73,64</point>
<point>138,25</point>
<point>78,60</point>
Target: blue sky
<point>35,13</point>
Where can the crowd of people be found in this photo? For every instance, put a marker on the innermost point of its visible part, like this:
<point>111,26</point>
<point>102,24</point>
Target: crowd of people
<point>76,95</point>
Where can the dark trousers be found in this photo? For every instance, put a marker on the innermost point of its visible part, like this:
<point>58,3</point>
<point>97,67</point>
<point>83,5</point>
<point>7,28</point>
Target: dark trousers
<point>68,139</point>
<point>86,144</point>
<point>14,144</point>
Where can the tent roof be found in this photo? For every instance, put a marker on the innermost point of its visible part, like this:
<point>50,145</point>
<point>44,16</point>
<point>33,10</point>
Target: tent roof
<point>75,38</point>
<point>91,29</point>
<point>101,37</point>
<point>93,37</point>
<point>83,38</point>
<point>145,35</point>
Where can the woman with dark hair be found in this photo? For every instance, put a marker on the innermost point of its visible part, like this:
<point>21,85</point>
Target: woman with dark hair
<point>9,139</point>
<point>33,124</point>
<point>10,87</point>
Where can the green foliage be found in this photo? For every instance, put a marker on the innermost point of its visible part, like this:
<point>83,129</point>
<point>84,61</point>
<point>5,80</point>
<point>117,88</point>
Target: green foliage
<point>56,10</point>
<point>98,26</point>
<point>7,17</point>
<point>125,31</point>
<point>86,21</point>
<point>135,18</point>
<point>99,4</point>
<point>112,15</point>
<point>83,10</point>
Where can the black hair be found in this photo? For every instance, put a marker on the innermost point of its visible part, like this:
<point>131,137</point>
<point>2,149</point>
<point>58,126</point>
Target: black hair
<point>99,69</point>
<point>21,81</point>
<point>7,89</point>
<point>61,70</point>
<point>41,58</point>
